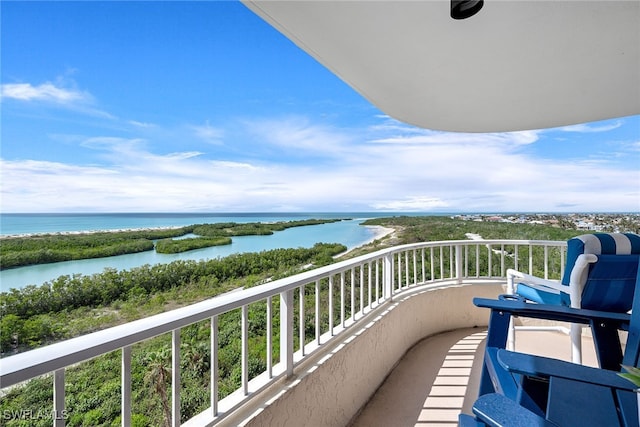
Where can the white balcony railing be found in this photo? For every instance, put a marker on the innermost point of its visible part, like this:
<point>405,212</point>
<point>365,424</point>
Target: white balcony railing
<point>344,293</point>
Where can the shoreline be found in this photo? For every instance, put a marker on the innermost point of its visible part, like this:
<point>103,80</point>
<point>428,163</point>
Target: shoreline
<point>112,230</point>
<point>78,233</point>
<point>380,232</point>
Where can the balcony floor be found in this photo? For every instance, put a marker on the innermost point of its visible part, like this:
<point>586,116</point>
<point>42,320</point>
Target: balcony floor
<point>438,378</point>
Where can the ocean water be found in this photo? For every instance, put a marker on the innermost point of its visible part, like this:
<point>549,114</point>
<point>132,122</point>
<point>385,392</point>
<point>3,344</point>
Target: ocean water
<point>349,232</point>
<point>16,224</point>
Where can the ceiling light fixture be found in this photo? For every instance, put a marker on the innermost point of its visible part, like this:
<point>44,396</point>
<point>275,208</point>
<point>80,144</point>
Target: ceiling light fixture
<point>463,9</point>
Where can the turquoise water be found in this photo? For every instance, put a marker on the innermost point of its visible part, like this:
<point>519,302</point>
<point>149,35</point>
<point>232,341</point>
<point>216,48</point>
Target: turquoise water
<point>12,224</point>
<point>350,233</point>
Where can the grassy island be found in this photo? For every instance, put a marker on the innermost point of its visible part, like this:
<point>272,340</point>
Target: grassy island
<point>174,246</point>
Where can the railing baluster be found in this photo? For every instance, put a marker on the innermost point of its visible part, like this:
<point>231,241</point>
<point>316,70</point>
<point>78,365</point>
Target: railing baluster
<point>530,259</point>
<point>369,284</point>
<point>331,305</point>
<point>415,267</point>
<point>342,302</point>
<point>361,284</point>
<point>59,411</point>
<point>214,365</point>
<point>270,337</point>
<point>466,260</point>
<point>546,262</point>
<point>317,296</point>
<point>432,264</point>
<point>399,270</point>
<point>377,281</point>
<point>353,294</point>
<point>458,263</point>
<point>477,260</point>
<point>244,349</point>
<point>125,397</point>
<point>387,271</point>
<point>406,269</point>
<point>424,277</point>
<point>451,263</point>
<point>286,331</point>
<point>301,320</point>
<point>175,378</point>
<point>441,263</point>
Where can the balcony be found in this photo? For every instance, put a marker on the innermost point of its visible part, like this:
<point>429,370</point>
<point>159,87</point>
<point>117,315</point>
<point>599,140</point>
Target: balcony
<point>333,334</point>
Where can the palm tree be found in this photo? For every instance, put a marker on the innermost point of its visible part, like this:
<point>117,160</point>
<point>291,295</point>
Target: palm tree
<point>159,376</point>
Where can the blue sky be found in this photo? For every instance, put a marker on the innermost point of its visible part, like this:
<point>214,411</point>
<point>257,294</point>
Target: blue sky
<point>201,106</point>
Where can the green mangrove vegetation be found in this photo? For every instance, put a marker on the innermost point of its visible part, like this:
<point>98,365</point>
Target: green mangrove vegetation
<point>74,305</point>
<point>47,248</point>
<point>253,228</point>
<point>174,246</point>
<point>433,228</point>
<point>31,316</point>
<point>42,249</point>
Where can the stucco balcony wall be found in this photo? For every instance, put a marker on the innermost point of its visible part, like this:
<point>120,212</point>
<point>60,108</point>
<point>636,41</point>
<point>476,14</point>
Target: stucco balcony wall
<point>331,388</point>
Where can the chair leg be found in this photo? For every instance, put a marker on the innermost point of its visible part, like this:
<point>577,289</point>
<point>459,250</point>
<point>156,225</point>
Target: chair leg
<point>511,337</point>
<point>576,343</point>
<point>496,338</point>
<point>607,344</point>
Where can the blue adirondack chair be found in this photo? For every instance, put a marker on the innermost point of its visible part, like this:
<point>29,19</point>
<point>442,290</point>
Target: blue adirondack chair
<point>520,389</point>
<point>496,410</point>
<point>597,274</point>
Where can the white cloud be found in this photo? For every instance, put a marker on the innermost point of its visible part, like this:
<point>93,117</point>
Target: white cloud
<point>589,128</point>
<point>141,124</point>
<point>298,135</point>
<point>64,96</point>
<point>510,139</point>
<point>183,155</point>
<point>208,133</point>
<point>44,92</point>
<point>448,172</point>
<point>417,204</point>
<point>396,132</point>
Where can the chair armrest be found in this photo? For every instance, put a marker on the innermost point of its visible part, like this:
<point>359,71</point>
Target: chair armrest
<point>544,367</point>
<point>518,307</point>
<point>495,410</point>
<point>465,420</point>
<point>535,280</point>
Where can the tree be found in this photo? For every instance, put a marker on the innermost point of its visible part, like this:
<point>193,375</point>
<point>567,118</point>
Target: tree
<point>10,331</point>
<point>158,376</point>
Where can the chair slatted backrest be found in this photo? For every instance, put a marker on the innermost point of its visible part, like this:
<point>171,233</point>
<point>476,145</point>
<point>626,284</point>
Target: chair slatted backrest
<point>608,284</point>
<point>632,347</point>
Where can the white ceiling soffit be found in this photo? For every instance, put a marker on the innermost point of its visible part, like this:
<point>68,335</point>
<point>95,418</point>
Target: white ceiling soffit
<point>516,65</point>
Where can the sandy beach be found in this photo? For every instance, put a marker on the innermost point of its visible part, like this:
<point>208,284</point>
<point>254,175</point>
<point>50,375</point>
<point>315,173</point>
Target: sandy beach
<point>380,231</point>
<point>77,233</point>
